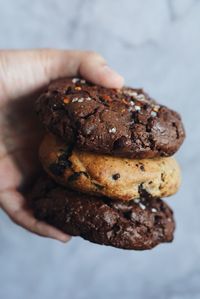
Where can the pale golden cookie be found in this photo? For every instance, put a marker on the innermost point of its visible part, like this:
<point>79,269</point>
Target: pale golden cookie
<point>114,177</point>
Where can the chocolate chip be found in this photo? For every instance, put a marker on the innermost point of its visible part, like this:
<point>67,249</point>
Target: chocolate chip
<point>120,143</point>
<point>98,186</point>
<point>65,163</point>
<point>56,169</point>
<point>116,176</point>
<point>85,174</point>
<point>76,175</point>
<point>144,194</point>
<point>63,160</point>
<point>68,90</point>
<point>142,167</point>
<point>162,177</point>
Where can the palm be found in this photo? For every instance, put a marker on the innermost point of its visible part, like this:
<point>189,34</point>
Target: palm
<point>20,136</point>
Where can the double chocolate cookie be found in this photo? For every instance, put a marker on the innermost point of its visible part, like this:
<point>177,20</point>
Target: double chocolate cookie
<point>114,177</point>
<point>139,224</point>
<point>124,122</point>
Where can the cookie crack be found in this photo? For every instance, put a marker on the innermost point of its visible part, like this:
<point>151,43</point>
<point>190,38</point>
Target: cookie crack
<point>90,114</point>
<point>177,130</point>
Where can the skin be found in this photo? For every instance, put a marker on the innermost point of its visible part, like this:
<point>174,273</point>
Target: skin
<point>22,75</point>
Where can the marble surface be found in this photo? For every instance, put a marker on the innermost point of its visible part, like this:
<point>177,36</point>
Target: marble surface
<point>154,44</point>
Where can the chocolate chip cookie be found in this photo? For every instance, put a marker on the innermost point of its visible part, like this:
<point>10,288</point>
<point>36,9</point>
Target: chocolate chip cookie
<point>114,177</point>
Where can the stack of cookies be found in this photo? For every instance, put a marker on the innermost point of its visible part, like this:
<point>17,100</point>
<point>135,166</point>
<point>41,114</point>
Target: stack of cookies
<point>107,158</point>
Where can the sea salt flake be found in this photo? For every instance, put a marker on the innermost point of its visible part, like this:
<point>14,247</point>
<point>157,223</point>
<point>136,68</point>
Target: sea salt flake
<point>143,207</point>
<point>79,100</point>
<point>154,210</point>
<point>112,130</point>
<point>137,108</point>
<point>136,200</point>
<point>130,93</point>
<point>140,97</point>
<point>153,113</point>
<point>75,100</point>
<point>109,234</point>
<point>75,80</point>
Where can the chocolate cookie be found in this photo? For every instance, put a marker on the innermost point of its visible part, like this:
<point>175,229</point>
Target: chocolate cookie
<point>124,122</point>
<point>114,177</point>
<point>140,224</point>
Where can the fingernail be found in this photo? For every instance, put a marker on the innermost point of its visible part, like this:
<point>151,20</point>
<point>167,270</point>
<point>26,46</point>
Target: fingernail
<point>112,73</point>
<point>64,239</point>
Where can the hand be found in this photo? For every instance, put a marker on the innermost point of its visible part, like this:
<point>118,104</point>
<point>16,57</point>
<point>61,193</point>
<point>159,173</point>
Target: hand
<point>22,75</point>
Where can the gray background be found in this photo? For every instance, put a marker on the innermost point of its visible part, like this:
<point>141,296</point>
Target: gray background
<point>154,44</point>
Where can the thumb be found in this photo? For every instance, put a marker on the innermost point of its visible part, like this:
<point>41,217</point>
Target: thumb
<point>23,72</point>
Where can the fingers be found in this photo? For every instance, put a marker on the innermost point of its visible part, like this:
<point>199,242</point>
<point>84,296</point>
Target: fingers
<point>13,204</point>
<point>94,68</point>
<point>24,72</point>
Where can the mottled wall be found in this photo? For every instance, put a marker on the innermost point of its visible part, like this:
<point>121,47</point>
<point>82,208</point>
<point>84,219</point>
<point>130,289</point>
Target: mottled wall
<point>154,44</point>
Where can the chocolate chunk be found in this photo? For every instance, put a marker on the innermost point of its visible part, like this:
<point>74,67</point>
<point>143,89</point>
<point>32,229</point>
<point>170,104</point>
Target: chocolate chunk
<point>56,169</point>
<point>116,176</point>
